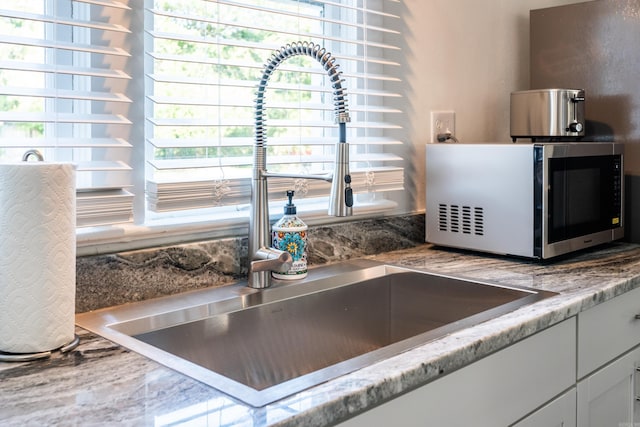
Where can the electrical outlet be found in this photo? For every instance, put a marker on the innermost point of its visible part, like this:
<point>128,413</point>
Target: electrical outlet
<point>442,122</point>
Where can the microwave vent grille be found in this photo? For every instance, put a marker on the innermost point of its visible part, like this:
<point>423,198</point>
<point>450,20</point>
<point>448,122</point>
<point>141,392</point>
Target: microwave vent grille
<point>461,219</point>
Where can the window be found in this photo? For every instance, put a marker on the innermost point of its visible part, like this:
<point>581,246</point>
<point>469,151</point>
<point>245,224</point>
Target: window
<point>60,92</point>
<point>154,100</point>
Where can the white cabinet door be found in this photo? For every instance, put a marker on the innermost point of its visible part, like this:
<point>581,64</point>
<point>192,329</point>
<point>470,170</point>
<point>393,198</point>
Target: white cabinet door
<point>561,412</point>
<point>608,396</point>
<point>494,391</point>
<point>608,330</point>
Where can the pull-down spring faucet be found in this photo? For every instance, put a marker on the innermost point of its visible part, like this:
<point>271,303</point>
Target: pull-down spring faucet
<point>262,257</point>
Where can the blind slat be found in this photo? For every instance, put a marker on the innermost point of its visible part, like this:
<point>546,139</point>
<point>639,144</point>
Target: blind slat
<point>274,141</point>
<point>70,46</point>
<point>209,102</point>
<point>204,81</point>
<point>273,160</point>
<point>213,123</point>
<point>115,4</point>
<point>61,21</point>
<point>104,119</point>
<point>194,59</point>
<point>343,6</point>
<point>63,69</point>
<point>63,94</point>
<point>66,143</point>
<point>359,8</point>
<point>103,166</point>
<point>251,84</point>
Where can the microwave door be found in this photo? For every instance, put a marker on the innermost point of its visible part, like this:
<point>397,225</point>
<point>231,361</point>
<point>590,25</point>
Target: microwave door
<point>580,198</point>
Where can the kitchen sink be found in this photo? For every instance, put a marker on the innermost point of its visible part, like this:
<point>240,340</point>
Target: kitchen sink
<point>262,345</point>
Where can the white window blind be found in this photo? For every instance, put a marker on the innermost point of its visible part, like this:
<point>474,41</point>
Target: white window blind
<point>62,91</point>
<point>204,60</point>
<point>160,93</point>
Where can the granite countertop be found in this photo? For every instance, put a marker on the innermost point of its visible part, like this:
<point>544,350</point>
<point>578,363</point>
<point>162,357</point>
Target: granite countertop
<point>101,383</point>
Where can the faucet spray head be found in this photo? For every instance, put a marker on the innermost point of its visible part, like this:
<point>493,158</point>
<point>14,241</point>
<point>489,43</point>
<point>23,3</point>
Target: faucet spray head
<point>341,199</point>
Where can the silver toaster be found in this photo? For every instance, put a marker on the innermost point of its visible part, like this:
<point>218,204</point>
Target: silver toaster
<point>548,114</point>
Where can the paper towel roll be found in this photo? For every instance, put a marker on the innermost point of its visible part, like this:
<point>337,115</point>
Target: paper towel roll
<point>37,256</point>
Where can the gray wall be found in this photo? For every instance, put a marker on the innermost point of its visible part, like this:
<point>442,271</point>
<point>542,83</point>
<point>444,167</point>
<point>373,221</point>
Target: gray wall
<point>594,46</point>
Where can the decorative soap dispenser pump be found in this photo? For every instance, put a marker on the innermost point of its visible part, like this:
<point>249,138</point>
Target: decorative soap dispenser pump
<point>290,234</point>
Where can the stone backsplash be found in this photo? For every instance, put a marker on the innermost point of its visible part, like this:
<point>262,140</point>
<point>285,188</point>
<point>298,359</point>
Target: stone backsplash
<point>108,280</point>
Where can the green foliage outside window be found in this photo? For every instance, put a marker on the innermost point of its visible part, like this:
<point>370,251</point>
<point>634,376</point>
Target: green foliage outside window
<point>227,64</point>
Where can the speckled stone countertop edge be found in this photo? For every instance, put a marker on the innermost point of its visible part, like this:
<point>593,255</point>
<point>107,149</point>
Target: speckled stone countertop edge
<point>382,381</point>
<point>582,281</point>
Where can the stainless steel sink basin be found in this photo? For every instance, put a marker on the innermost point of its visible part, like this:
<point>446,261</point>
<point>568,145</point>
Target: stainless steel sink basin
<point>260,346</point>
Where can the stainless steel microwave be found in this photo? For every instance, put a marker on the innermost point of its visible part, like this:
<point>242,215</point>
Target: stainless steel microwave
<point>531,200</point>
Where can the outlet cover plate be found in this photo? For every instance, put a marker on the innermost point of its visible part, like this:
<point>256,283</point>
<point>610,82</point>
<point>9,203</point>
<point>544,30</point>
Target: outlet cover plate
<point>442,122</point>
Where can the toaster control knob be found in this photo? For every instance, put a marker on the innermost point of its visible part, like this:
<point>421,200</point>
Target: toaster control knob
<point>576,127</point>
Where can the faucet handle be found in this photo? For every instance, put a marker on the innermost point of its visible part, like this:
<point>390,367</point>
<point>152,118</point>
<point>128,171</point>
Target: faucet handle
<point>341,199</point>
<point>269,259</point>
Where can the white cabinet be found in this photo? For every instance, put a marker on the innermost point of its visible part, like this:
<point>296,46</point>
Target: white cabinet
<point>608,330</point>
<point>607,397</point>
<point>561,412</point>
<point>495,391</point>
<point>608,355</point>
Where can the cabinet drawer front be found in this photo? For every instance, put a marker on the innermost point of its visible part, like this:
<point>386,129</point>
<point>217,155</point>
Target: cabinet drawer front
<point>494,391</point>
<point>607,330</point>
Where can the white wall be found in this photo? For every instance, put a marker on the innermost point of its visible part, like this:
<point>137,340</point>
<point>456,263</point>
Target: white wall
<point>466,56</point>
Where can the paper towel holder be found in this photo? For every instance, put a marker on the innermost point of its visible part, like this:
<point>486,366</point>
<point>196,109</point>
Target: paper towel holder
<point>26,357</point>
<point>32,152</point>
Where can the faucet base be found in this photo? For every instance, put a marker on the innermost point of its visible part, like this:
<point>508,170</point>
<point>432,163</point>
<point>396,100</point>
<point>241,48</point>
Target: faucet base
<point>267,260</point>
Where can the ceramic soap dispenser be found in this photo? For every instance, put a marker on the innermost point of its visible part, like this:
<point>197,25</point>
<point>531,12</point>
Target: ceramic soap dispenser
<point>290,234</point>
